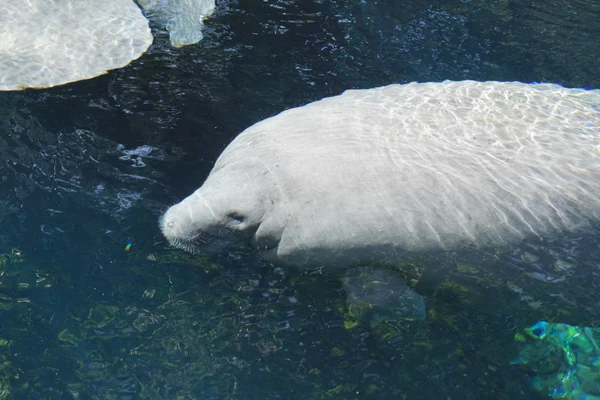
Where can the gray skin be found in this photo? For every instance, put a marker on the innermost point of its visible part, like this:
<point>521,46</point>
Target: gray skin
<point>373,174</point>
<point>184,19</point>
<point>47,43</point>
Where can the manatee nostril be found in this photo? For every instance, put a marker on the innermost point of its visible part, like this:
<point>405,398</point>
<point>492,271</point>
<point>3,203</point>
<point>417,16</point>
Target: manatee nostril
<point>236,218</point>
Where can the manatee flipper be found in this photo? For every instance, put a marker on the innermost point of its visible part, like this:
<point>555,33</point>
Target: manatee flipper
<point>381,294</point>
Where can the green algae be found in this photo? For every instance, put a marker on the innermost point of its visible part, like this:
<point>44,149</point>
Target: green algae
<point>565,359</point>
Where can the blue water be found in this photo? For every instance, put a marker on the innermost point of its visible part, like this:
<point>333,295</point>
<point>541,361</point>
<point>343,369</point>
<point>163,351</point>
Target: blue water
<point>82,318</point>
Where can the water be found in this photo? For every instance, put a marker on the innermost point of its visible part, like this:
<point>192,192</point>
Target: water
<point>87,168</point>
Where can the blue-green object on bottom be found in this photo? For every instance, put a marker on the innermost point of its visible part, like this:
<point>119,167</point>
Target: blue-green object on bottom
<point>565,360</point>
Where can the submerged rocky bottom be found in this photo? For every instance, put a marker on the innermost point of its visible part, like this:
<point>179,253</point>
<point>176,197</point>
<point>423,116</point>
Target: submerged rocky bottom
<point>169,325</point>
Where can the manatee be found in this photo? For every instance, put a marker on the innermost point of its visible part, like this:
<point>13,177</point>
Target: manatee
<point>379,173</point>
<point>52,42</point>
<point>46,43</point>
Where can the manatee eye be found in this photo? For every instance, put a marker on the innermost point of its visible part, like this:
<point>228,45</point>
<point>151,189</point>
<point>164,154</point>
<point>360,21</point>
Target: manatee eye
<point>235,218</point>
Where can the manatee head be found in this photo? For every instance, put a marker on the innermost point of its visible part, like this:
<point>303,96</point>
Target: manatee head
<point>230,209</point>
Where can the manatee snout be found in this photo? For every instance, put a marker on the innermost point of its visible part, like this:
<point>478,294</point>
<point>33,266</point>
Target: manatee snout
<point>177,224</point>
<point>183,228</point>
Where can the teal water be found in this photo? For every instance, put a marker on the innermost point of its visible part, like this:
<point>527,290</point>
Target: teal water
<point>87,168</point>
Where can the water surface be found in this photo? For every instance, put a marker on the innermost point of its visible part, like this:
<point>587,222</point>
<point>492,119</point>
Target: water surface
<point>87,168</point>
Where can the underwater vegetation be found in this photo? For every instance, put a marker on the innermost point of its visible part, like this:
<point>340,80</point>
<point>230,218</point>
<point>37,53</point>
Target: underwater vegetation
<point>564,360</point>
<point>169,324</point>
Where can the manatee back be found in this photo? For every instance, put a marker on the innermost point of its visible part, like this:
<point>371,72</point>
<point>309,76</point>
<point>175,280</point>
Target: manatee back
<point>428,166</point>
<point>48,43</point>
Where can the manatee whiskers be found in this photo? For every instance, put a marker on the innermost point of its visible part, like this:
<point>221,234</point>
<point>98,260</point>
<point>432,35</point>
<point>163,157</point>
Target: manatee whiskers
<point>192,245</point>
